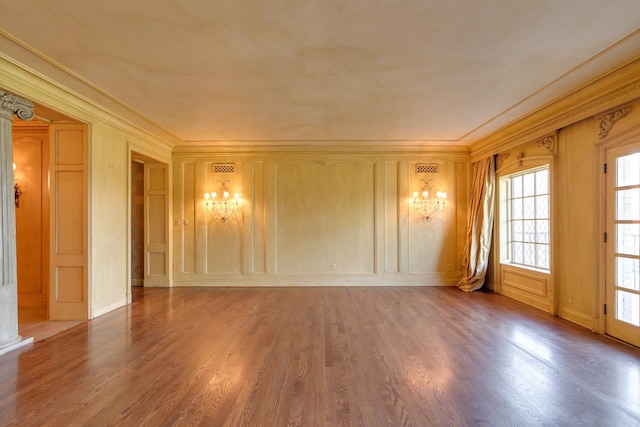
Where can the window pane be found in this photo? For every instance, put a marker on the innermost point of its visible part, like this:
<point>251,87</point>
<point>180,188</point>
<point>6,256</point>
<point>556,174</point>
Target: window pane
<point>516,209</point>
<point>529,231</point>
<point>542,182</point>
<point>627,239</point>
<point>542,231</point>
<point>528,184</point>
<point>517,254</point>
<point>516,229</point>
<point>628,307</point>
<point>529,254</point>
<point>516,186</point>
<point>542,206</point>
<point>628,273</point>
<point>628,204</point>
<point>542,258</point>
<point>628,168</point>
<point>529,210</point>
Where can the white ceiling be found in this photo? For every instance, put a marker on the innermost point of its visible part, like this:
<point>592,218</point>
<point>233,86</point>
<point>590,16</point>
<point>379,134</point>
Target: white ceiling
<point>327,71</point>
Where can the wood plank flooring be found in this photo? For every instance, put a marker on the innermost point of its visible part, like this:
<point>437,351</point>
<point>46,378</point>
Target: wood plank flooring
<point>340,356</point>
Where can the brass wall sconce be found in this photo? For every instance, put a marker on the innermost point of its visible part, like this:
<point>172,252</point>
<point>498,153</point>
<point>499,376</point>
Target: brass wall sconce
<point>426,207</point>
<point>17,191</point>
<point>222,209</point>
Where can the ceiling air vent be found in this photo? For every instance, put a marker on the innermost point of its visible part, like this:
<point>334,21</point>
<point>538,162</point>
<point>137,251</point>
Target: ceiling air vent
<point>226,168</point>
<point>426,168</point>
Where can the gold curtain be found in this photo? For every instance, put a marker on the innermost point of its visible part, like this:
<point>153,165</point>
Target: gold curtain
<point>475,259</point>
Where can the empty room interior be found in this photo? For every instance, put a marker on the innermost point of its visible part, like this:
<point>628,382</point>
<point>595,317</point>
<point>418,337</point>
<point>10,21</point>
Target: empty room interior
<point>320,213</point>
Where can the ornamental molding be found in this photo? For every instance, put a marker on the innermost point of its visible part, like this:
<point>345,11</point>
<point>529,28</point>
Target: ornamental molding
<point>608,120</point>
<point>11,104</point>
<point>520,158</point>
<point>550,142</point>
<point>586,109</point>
<point>500,158</point>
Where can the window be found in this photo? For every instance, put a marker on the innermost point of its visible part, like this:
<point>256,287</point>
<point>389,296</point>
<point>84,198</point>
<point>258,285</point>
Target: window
<point>526,204</point>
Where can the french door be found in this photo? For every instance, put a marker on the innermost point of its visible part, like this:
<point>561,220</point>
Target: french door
<point>623,243</point>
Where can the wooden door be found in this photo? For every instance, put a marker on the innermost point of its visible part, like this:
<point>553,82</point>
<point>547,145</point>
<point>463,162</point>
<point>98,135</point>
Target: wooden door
<point>623,243</point>
<point>156,224</point>
<point>69,296</point>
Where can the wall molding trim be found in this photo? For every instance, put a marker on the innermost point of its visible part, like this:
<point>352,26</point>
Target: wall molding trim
<point>620,86</point>
<point>608,120</point>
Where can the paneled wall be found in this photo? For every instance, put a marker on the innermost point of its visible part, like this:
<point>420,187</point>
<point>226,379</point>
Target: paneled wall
<point>587,122</point>
<point>318,218</point>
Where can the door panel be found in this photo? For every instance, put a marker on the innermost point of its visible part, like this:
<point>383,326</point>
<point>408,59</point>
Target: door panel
<point>68,299</point>
<point>623,249</point>
<point>156,206</point>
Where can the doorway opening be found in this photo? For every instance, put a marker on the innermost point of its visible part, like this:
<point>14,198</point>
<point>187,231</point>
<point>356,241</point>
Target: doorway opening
<point>149,230</point>
<point>33,191</point>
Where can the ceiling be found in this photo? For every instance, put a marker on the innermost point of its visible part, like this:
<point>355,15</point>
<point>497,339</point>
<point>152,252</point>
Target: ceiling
<point>330,71</point>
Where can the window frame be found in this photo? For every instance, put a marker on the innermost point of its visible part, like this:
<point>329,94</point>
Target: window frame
<point>504,212</point>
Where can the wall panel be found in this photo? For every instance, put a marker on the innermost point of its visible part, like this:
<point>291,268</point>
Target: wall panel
<point>321,218</point>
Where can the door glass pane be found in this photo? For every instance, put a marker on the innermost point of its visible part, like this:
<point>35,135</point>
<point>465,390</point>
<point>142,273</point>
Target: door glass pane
<point>628,239</point>
<point>628,168</point>
<point>628,204</point>
<point>628,273</point>
<point>628,307</point>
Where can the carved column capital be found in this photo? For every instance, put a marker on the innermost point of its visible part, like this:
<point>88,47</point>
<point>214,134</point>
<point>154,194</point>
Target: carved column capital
<point>607,121</point>
<point>11,104</point>
<point>550,142</point>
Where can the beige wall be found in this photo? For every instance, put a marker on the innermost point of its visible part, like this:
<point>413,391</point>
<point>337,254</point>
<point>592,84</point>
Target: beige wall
<point>576,282</point>
<point>319,218</point>
<point>113,132</point>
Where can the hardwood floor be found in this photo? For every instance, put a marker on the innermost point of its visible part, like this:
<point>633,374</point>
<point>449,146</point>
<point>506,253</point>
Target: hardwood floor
<point>33,322</point>
<point>322,357</point>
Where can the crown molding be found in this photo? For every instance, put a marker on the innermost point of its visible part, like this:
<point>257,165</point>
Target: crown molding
<point>620,86</point>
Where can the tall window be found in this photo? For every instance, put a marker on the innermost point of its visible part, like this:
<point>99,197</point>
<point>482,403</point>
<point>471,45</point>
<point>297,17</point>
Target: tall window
<point>527,222</point>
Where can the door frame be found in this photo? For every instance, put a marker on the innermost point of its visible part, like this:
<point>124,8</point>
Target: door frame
<point>629,136</point>
<point>142,153</point>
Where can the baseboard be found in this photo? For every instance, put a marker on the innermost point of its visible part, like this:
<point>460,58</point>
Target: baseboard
<point>110,307</point>
<point>582,319</point>
<point>19,343</point>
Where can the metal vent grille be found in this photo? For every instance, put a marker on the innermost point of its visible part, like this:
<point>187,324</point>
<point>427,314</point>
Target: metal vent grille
<point>229,168</point>
<point>427,168</point>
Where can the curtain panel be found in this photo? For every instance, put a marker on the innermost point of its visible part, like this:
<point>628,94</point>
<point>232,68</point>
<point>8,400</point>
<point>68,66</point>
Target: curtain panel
<point>475,258</point>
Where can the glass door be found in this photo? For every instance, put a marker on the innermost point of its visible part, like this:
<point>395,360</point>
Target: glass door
<point>623,243</point>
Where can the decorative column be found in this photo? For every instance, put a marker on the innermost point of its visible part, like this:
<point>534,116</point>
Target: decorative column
<point>9,338</point>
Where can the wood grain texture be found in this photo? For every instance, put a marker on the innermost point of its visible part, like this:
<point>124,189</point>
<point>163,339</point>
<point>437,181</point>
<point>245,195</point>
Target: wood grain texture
<point>322,357</point>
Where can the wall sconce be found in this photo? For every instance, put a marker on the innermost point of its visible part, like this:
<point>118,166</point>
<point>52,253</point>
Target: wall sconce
<point>225,208</point>
<point>17,191</point>
<point>425,207</point>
